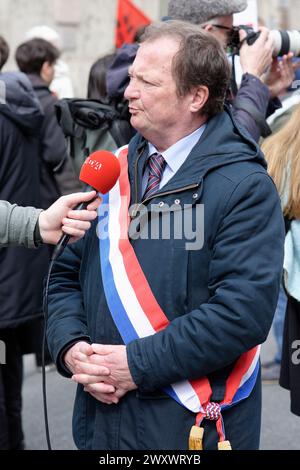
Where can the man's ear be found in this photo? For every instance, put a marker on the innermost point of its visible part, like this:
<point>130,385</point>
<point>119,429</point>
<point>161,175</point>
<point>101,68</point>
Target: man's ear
<point>44,69</point>
<point>46,72</point>
<point>200,97</point>
<point>207,27</point>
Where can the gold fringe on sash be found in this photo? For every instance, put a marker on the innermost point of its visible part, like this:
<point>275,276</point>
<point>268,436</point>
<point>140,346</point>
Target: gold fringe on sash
<point>224,445</point>
<point>196,438</point>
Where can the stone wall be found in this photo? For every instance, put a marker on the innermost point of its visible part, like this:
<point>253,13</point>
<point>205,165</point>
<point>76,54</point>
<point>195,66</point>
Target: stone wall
<point>280,14</point>
<point>86,26</point>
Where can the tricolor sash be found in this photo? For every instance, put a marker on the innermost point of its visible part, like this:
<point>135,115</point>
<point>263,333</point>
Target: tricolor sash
<point>137,313</point>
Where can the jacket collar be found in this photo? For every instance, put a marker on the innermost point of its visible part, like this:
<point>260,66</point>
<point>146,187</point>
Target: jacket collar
<point>222,143</point>
<point>37,81</point>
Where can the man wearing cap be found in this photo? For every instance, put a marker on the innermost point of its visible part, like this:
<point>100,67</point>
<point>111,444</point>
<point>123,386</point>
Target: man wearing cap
<point>254,100</point>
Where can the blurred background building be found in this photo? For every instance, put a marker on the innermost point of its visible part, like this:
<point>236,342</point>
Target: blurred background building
<point>87,27</point>
<point>280,14</point>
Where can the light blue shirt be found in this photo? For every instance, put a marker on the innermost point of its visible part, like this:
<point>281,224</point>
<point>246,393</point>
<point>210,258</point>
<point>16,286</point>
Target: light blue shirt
<point>174,156</point>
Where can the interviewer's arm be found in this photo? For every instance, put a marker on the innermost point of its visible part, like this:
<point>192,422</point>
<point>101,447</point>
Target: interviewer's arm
<point>20,225</point>
<point>17,224</point>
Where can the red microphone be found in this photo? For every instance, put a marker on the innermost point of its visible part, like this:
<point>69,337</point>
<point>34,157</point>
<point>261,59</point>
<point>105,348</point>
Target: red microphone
<point>99,172</point>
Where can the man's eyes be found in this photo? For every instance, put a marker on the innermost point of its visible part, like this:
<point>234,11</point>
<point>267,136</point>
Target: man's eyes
<point>141,79</point>
<point>147,83</point>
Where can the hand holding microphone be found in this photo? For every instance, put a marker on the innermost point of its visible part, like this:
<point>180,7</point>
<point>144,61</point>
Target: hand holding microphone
<point>61,216</point>
<point>100,173</point>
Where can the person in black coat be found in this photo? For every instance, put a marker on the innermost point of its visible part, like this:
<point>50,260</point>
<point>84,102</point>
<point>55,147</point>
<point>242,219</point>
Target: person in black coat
<point>22,271</point>
<point>37,59</point>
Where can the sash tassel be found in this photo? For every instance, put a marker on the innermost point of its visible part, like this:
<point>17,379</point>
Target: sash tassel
<point>212,412</point>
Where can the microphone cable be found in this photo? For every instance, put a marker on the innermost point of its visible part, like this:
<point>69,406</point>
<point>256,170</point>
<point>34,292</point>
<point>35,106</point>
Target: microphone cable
<point>62,243</point>
<point>44,384</point>
<point>57,251</point>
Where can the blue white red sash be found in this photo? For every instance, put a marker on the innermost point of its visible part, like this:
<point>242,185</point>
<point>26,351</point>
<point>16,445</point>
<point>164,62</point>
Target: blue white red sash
<point>137,314</point>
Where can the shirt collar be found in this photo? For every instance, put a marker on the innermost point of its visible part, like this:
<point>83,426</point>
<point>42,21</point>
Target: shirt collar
<point>176,155</point>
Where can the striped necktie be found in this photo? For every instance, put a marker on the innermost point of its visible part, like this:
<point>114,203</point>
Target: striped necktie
<point>156,166</point>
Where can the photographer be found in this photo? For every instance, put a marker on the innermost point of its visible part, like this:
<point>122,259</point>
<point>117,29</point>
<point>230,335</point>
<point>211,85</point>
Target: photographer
<point>256,98</point>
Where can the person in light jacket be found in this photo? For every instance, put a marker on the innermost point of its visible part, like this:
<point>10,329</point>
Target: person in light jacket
<point>29,226</point>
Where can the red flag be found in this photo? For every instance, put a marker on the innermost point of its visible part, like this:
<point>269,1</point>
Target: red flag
<point>130,19</point>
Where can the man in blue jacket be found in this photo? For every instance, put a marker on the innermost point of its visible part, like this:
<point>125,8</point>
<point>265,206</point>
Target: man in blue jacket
<point>160,330</point>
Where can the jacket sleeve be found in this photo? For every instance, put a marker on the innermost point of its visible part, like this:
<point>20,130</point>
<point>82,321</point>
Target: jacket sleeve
<point>244,277</point>
<point>252,105</point>
<point>66,323</point>
<point>17,224</point>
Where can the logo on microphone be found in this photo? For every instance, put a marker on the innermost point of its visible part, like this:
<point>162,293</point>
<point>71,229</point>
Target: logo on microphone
<point>94,164</point>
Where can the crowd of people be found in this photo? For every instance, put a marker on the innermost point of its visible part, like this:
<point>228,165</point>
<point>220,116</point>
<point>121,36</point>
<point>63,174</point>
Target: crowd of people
<point>161,333</point>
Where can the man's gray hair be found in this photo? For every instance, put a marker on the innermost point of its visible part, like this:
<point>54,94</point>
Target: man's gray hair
<point>200,11</point>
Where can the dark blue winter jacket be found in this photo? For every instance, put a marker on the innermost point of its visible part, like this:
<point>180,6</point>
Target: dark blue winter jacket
<point>21,270</point>
<point>219,298</point>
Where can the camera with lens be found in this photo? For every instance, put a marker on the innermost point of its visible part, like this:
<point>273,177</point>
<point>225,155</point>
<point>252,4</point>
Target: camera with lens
<point>284,41</point>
